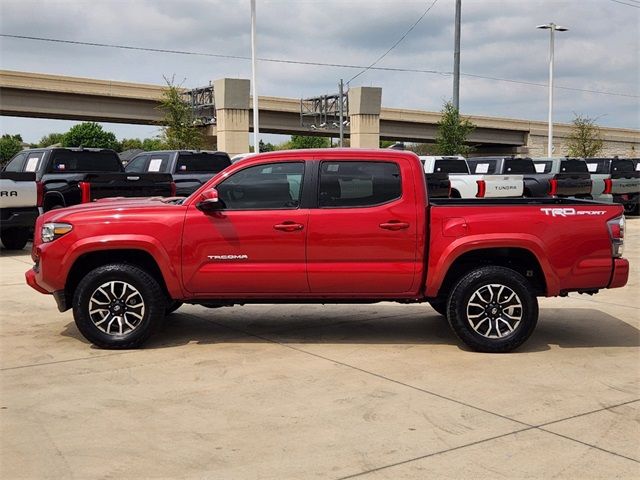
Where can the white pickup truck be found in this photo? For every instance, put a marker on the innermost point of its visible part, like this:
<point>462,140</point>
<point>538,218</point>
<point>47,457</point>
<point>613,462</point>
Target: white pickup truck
<point>18,208</point>
<point>468,185</point>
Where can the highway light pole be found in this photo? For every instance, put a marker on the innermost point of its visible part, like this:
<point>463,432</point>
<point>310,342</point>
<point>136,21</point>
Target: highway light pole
<point>456,59</point>
<point>254,92</point>
<point>552,27</point>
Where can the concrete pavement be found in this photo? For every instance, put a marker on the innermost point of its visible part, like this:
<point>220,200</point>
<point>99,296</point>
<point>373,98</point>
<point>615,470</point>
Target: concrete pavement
<point>306,391</point>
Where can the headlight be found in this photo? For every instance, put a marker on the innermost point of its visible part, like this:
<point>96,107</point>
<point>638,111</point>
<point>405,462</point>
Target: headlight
<point>51,231</point>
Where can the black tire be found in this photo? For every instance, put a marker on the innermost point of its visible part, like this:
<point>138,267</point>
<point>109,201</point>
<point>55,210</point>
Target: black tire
<point>145,320</point>
<point>15,238</point>
<point>439,305</point>
<point>497,328</point>
<point>172,306</point>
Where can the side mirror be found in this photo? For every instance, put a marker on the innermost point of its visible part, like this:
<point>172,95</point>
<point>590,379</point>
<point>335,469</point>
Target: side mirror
<point>209,201</point>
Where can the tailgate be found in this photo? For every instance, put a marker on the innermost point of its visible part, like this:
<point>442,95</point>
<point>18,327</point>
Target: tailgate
<point>625,183</point>
<point>186,184</point>
<point>572,184</point>
<point>503,185</point>
<point>438,185</point>
<point>104,185</point>
<point>18,189</point>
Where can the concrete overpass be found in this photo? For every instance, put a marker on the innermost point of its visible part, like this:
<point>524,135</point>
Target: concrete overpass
<point>37,95</point>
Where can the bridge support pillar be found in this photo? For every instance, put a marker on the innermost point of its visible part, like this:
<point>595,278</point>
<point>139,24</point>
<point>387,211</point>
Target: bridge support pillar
<point>232,114</point>
<point>364,115</point>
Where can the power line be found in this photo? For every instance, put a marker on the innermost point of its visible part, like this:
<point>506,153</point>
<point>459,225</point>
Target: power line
<point>627,4</point>
<point>317,64</point>
<point>397,42</point>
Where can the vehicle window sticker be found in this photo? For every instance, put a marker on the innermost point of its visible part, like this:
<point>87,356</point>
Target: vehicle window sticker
<point>593,167</point>
<point>638,167</point>
<point>32,164</point>
<point>482,168</point>
<point>540,167</point>
<point>154,165</point>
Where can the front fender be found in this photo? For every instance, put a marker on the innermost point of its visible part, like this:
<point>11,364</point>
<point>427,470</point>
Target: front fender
<point>438,267</point>
<point>145,243</point>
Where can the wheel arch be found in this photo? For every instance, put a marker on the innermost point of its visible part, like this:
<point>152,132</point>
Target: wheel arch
<point>520,259</point>
<point>131,256</point>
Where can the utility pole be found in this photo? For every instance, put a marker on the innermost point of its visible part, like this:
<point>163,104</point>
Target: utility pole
<point>456,59</point>
<point>552,27</point>
<point>254,90</point>
<point>341,94</point>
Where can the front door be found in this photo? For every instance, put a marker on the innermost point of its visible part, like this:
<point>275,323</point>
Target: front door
<point>256,244</point>
<point>363,236</point>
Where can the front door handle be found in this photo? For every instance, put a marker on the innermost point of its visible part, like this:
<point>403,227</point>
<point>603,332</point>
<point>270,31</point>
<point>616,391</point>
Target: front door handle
<point>394,225</point>
<point>288,226</point>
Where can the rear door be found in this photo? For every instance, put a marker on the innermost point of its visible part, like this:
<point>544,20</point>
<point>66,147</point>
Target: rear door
<point>362,236</point>
<point>256,244</point>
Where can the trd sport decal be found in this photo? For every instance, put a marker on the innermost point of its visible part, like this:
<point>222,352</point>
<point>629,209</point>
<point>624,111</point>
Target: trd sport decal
<point>570,212</point>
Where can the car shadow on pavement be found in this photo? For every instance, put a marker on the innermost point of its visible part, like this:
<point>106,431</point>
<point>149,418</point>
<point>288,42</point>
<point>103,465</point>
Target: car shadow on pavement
<point>565,328</point>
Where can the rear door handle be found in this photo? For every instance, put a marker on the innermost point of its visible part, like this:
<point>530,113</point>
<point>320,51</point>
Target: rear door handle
<point>288,226</point>
<point>394,225</point>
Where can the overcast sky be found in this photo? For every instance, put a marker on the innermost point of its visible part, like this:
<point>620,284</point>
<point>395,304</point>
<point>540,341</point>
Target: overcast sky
<point>601,51</point>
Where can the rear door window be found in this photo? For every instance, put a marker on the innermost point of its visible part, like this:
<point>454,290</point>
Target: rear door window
<point>488,166</point>
<point>543,166</point>
<point>202,162</point>
<point>158,163</point>
<point>358,184</point>
<point>138,164</point>
<point>598,166</point>
<point>33,161</point>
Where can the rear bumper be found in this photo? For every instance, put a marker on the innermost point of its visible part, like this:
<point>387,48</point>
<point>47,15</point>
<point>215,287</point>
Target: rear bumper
<point>19,218</point>
<point>620,273</point>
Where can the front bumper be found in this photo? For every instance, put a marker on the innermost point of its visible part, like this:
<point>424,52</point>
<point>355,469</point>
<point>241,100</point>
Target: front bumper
<point>620,273</point>
<point>30,276</point>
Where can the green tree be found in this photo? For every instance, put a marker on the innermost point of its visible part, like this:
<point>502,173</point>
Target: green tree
<point>453,131</point>
<point>9,146</point>
<point>130,144</point>
<point>149,144</point>
<point>585,139</point>
<point>266,147</point>
<point>301,141</point>
<point>422,148</point>
<point>178,128</point>
<point>50,139</point>
<point>90,135</point>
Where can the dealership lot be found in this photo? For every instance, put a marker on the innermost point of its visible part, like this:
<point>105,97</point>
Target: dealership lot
<point>310,391</point>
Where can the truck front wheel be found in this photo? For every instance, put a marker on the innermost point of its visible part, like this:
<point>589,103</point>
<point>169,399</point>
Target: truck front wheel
<point>492,309</point>
<point>118,306</point>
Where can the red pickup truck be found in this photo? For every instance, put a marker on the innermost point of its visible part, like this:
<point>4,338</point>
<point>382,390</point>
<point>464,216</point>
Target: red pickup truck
<point>333,225</point>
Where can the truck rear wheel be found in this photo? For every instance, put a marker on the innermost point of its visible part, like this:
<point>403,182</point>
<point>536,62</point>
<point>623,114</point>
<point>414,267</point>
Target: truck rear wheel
<point>15,238</point>
<point>118,306</point>
<point>492,309</point>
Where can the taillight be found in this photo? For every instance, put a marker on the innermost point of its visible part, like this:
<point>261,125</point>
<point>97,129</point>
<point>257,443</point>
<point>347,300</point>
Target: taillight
<point>39,193</point>
<point>172,189</point>
<point>616,232</point>
<point>553,186</point>
<point>482,188</point>
<point>608,185</point>
<point>85,192</point>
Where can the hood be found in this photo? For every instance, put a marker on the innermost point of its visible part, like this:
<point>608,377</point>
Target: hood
<point>111,204</point>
